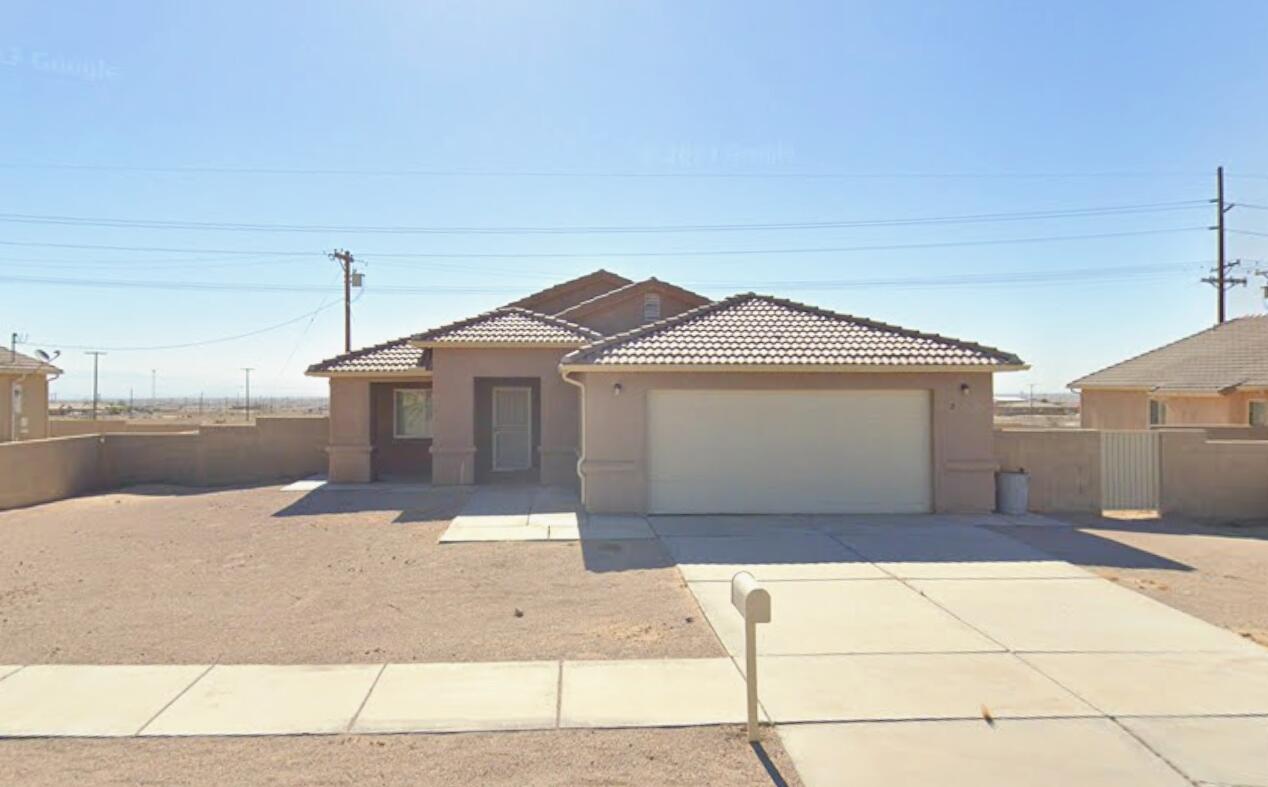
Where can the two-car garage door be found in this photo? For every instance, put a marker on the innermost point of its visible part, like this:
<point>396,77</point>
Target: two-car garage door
<point>771,452</point>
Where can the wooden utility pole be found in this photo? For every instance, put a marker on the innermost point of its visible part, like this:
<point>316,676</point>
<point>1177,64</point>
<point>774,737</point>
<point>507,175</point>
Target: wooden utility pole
<point>345,260</point>
<point>1220,287</point>
<point>96,356</point>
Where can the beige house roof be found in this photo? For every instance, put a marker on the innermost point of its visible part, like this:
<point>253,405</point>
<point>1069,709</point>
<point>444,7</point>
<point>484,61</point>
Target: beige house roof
<point>510,325</point>
<point>12,362</point>
<point>760,330</point>
<point>630,290</point>
<point>599,277</point>
<point>1221,358</point>
<point>397,356</point>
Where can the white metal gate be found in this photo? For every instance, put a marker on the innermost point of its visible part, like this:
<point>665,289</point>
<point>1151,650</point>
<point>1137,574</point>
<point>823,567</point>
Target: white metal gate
<point>1130,474</point>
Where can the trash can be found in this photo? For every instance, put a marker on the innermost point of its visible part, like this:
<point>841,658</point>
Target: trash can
<point>1012,492</point>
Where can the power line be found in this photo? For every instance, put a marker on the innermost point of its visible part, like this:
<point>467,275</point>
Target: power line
<point>202,343</point>
<point>951,280</point>
<point>972,218</point>
<point>598,174</point>
<point>626,254</point>
<point>1250,232</point>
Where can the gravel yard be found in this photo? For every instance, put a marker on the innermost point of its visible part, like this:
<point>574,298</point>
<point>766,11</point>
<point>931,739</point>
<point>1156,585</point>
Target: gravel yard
<point>257,575</point>
<point>1217,572</point>
<point>688,756</point>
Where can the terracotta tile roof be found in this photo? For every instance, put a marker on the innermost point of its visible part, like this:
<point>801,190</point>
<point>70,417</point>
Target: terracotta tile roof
<point>630,289</point>
<point>752,329</point>
<point>1224,357</point>
<point>601,276</point>
<point>509,325</point>
<point>11,361</point>
<point>396,356</point>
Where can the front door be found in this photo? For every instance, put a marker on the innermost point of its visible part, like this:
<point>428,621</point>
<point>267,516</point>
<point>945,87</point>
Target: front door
<point>512,428</point>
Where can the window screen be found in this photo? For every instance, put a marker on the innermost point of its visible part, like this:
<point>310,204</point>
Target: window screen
<point>412,413</point>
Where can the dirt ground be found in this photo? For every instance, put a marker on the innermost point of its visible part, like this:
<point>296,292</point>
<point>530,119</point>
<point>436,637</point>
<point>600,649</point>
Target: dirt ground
<point>1214,571</point>
<point>688,756</point>
<point>165,575</point>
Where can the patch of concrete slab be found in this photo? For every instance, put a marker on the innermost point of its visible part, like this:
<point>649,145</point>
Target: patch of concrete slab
<point>97,701</point>
<point>654,693</point>
<point>704,526</point>
<point>1210,751</point>
<point>792,555</point>
<point>531,513</point>
<point>462,697</point>
<point>952,551</point>
<point>8,669</point>
<point>1074,615</point>
<point>1036,753</point>
<point>253,699</point>
<point>909,687</point>
<point>814,617</point>
<point>1163,684</point>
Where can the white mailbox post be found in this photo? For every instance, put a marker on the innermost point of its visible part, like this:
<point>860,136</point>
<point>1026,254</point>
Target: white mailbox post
<point>753,602</point>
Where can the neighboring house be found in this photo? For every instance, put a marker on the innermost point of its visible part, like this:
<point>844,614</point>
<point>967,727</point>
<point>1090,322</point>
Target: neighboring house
<point>24,396</point>
<point>660,400</point>
<point>1218,377</point>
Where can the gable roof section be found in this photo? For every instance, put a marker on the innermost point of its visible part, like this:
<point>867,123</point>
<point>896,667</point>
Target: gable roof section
<point>509,326</point>
<point>1227,356</point>
<point>600,277</point>
<point>15,362</point>
<point>395,357</point>
<point>759,330</point>
<point>628,291</point>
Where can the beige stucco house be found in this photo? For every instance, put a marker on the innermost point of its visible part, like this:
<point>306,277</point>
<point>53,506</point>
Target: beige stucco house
<point>24,396</point>
<point>1218,377</point>
<point>651,398</point>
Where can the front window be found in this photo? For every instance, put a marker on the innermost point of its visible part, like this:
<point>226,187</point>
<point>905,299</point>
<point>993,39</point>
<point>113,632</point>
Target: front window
<point>1259,413</point>
<point>411,413</point>
<point>1157,412</point>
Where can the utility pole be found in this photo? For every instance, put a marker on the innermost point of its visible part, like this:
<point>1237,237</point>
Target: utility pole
<point>1220,278</point>
<point>248,371</point>
<point>96,356</point>
<point>350,277</point>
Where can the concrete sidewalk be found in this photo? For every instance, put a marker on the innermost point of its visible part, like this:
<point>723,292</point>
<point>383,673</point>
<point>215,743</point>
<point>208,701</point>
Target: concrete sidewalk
<point>252,699</point>
<point>536,513</point>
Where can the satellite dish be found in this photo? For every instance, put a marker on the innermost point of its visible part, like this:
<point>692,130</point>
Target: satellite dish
<point>45,357</point>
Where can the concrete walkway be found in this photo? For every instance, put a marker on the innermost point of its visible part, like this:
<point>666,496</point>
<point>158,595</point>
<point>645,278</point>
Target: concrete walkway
<point>251,699</point>
<point>536,513</point>
<point>997,663</point>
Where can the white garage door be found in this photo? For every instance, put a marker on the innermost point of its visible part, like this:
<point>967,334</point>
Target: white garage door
<point>773,452</point>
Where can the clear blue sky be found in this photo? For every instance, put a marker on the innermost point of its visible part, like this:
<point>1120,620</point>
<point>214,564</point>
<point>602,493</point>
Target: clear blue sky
<point>1034,106</point>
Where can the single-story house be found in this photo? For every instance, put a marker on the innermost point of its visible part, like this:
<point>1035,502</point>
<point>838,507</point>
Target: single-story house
<point>1217,377</point>
<point>651,398</point>
<point>24,396</point>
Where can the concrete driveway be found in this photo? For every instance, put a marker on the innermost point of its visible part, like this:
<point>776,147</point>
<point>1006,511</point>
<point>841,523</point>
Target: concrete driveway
<point>928,650</point>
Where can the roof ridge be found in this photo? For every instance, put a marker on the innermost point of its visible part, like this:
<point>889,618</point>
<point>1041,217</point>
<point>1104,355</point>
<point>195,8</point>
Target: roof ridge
<point>558,322</point>
<point>652,329</point>
<point>1140,355</point>
<point>357,353</point>
<point>1003,355</point>
<point>630,286</point>
<point>564,285</point>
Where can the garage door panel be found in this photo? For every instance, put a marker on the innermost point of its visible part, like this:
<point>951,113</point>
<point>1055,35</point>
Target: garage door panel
<point>789,451</point>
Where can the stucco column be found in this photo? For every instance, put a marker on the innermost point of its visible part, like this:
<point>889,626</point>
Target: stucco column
<point>350,447</point>
<point>453,447</point>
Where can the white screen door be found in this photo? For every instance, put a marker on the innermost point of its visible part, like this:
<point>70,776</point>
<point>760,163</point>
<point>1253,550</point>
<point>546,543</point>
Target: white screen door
<point>512,428</point>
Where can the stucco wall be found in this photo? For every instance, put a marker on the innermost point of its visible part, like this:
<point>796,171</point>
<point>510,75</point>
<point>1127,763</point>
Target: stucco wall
<point>69,427</point>
<point>1213,478</point>
<point>616,451</point>
<point>453,410</point>
<point>1064,466</point>
<point>1114,409</point>
<point>34,407</point>
<point>36,471</point>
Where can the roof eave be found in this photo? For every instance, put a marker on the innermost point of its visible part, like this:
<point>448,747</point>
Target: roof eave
<point>413,374</point>
<point>428,345</point>
<point>774,368</point>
